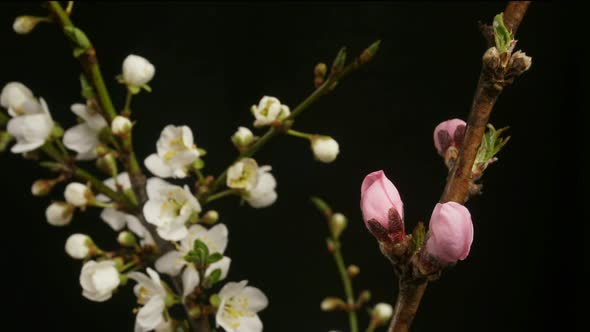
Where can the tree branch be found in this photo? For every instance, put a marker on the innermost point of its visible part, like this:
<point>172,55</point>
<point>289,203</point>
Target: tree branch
<point>490,85</point>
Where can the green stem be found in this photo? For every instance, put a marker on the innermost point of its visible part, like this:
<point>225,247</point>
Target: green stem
<point>372,326</point>
<point>347,286</point>
<point>300,134</point>
<point>127,107</point>
<point>323,89</point>
<point>220,195</point>
<point>89,63</point>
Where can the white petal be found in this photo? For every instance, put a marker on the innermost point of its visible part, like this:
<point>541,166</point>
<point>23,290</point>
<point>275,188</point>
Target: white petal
<point>152,211</point>
<point>217,237</point>
<point>222,265</point>
<point>158,167</point>
<point>232,289</point>
<point>256,299</point>
<point>30,131</point>
<point>114,218</point>
<point>150,315</point>
<point>157,188</point>
<point>81,138</point>
<point>171,263</point>
<point>173,232</point>
<point>190,279</point>
<point>250,324</point>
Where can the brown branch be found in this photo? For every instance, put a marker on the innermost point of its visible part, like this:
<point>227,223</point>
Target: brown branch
<point>497,72</point>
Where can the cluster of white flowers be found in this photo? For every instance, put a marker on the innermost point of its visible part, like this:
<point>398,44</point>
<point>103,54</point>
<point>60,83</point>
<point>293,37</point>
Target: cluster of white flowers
<point>176,152</point>
<point>31,123</point>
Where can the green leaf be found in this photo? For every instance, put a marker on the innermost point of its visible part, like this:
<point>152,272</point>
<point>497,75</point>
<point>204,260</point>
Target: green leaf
<point>78,37</point>
<point>339,61</point>
<point>193,257</point>
<point>199,164</point>
<point>3,119</point>
<point>418,236</point>
<point>214,258</point>
<point>202,250</point>
<point>5,139</point>
<point>87,91</point>
<point>212,279</point>
<point>502,36</point>
<point>321,205</point>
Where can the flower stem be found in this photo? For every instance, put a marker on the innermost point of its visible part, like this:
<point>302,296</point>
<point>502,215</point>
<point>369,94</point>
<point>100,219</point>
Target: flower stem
<point>127,107</point>
<point>347,284</point>
<point>221,194</point>
<point>296,133</point>
<point>323,89</point>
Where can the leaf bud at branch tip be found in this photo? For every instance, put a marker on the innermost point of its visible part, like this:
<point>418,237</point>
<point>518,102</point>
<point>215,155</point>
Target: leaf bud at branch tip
<point>369,53</point>
<point>337,224</point>
<point>353,270</point>
<point>332,303</point>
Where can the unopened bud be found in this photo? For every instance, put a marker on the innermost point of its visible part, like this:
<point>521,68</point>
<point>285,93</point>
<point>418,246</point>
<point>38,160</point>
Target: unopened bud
<point>330,245</point>
<point>215,300</point>
<point>25,24</point>
<point>332,303</point>
<point>107,164</point>
<point>42,187</point>
<point>210,217</point>
<point>364,296</point>
<point>325,148</point>
<point>78,194</point>
<point>78,246</point>
<point>369,53</point>
<point>242,137</point>
<point>59,213</point>
<point>520,62</point>
<point>5,139</point>
<point>319,74</point>
<point>195,312</point>
<point>126,239</point>
<point>121,126</point>
<point>353,271</point>
<point>338,224</point>
<point>491,58</point>
<point>382,312</point>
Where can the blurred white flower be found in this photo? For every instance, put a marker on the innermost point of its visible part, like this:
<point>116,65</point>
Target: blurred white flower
<point>137,71</point>
<point>243,174</point>
<point>99,280</point>
<point>169,207</point>
<point>268,110</point>
<point>176,152</point>
<point>239,307</point>
<point>263,194</point>
<point>151,295</point>
<point>83,138</point>
<point>31,124</point>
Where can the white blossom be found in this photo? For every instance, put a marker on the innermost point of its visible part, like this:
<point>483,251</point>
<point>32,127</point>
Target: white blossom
<point>268,110</point>
<point>263,194</point>
<point>121,126</point>
<point>325,148</point>
<point>173,262</point>
<point>77,246</point>
<point>78,194</point>
<point>117,219</point>
<point>243,174</point>
<point>31,124</point>
<point>242,137</point>
<point>83,137</point>
<point>59,213</point>
<point>239,307</point>
<point>176,152</point>
<point>169,207</point>
<point>151,295</point>
<point>137,71</point>
<point>99,280</point>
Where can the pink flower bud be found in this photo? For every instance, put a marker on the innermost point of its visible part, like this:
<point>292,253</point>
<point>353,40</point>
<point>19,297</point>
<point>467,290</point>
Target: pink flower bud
<point>450,234</point>
<point>382,207</point>
<point>449,133</point>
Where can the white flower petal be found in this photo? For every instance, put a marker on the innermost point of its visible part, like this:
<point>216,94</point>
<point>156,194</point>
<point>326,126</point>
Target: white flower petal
<point>190,279</point>
<point>171,263</point>
<point>250,324</point>
<point>222,265</point>
<point>256,299</point>
<point>217,238</point>
<point>158,167</point>
<point>82,139</point>
<point>150,315</point>
<point>114,218</point>
<point>232,289</point>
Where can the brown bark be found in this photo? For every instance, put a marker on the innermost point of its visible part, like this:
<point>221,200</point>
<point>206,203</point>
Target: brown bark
<point>411,289</point>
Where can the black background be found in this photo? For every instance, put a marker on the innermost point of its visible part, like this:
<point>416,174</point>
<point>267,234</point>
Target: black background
<point>213,61</point>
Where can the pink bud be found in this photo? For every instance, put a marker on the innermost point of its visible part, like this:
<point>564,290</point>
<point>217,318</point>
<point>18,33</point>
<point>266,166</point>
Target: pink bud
<point>449,133</point>
<point>450,234</point>
<point>382,207</point>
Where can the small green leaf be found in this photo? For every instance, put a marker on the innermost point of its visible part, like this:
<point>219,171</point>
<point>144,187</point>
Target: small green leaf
<point>214,258</point>
<point>78,37</point>
<point>201,249</point>
<point>339,61</point>
<point>3,119</point>
<point>146,88</point>
<point>321,205</point>
<point>199,164</point>
<point>502,36</point>
<point>87,91</point>
<point>193,257</point>
<point>212,279</point>
<point>134,89</point>
<point>5,139</point>
<point>418,236</point>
